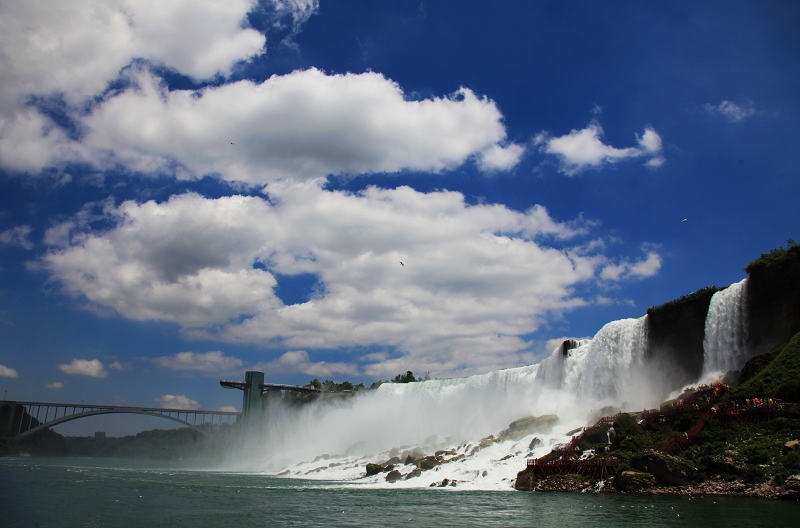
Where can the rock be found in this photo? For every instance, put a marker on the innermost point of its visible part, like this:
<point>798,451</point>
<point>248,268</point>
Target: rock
<point>429,462</point>
<point>521,428</point>
<point>534,443</point>
<point>413,460</point>
<point>634,481</point>
<point>415,473</point>
<point>665,468</point>
<point>393,476</point>
<point>791,446</point>
<point>393,460</point>
<point>374,469</point>
<point>792,484</point>
<point>526,480</point>
<point>722,464</point>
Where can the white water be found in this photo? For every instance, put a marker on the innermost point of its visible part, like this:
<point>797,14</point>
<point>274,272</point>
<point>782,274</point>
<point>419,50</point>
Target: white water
<point>335,439</point>
<point>725,341</point>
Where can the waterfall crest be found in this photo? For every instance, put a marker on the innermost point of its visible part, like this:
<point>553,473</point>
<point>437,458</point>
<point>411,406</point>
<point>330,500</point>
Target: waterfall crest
<point>335,439</point>
<point>602,368</point>
<point>725,340</point>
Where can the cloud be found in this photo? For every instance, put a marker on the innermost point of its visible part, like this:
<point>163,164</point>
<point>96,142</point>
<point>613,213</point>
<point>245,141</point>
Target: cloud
<point>54,385</point>
<point>583,149</point>
<point>67,53</point>
<point>305,124</point>
<point>7,372</point>
<point>476,277</point>
<point>17,236</point>
<point>299,361</point>
<point>177,401</point>
<point>298,10</point>
<point>116,365</point>
<point>647,267</point>
<point>208,363</point>
<point>302,125</point>
<point>75,48</point>
<point>497,157</point>
<point>84,367</point>
<point>228,408</point>
<point>732,111</point>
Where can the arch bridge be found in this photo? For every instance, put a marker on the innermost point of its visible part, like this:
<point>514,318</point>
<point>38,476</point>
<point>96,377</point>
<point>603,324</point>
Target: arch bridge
<point>27,418</point>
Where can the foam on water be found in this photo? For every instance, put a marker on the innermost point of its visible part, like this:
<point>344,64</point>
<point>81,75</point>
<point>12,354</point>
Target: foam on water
<point>335,439</point>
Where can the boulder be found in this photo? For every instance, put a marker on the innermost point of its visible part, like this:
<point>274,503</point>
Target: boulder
<point>374,469</point>
<point>666,469</point>
<point>393,476</point>
<point>526,480</point>
<point>415,473</point>
<point>634,481</point>
<point>521,428</point>
<point>429,462</point>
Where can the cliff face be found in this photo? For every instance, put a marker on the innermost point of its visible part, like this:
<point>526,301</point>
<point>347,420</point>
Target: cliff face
<point>676,330</point>
<point>675,334</point>
<point>773,306</point>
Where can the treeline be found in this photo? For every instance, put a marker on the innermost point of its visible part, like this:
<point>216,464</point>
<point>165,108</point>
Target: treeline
<point>775,257</point>
<point>343,389</point>
<point>157,444</point>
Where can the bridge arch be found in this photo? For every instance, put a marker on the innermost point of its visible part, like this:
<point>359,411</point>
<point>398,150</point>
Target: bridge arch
<point>58,421</point>
<point>28,418</point>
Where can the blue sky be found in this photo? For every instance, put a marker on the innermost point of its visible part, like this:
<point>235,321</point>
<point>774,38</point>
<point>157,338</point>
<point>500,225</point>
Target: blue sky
<point>191,190</point>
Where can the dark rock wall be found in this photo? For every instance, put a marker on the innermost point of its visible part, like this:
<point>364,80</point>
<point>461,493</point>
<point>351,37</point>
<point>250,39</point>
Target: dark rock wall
<point>675,338</point>
<point>773,306</point>
<point>675,330</point>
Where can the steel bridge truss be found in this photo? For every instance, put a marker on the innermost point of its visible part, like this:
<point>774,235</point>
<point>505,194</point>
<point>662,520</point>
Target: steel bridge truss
<point>39,415</point>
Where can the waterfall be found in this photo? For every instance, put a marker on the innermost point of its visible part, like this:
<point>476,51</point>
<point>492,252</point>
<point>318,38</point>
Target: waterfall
<point>725,341</point>
<point>333,439</point>
<point>605,368</point>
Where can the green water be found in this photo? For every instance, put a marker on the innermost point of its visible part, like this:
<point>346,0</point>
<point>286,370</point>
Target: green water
<point>43,492</point>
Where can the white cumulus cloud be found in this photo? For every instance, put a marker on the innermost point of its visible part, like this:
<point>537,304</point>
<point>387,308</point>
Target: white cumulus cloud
<point>55,385</point>
<point>476,278</point>
<point>208,362</point>
<point>177,401</point>
<point>84,367</point>
<point>303,125</point>
<point>8,372</point>
<point>300,361</point>
<point>584,149</point>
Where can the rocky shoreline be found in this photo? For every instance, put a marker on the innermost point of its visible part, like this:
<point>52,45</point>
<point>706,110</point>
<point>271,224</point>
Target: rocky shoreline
<point>789,490</point>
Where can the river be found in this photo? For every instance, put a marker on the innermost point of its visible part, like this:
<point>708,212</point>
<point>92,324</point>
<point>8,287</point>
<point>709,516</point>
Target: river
<point>85,492</point>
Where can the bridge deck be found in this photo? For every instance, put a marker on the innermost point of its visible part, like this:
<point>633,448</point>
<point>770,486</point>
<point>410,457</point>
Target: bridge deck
<point>26,418</point>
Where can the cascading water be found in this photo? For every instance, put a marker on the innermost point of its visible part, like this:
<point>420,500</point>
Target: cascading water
<point>335,439</point>
<point>604,368</point>
<point>725,341</point>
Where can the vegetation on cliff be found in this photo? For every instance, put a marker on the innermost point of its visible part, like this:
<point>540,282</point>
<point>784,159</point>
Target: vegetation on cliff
<point>773,375</point>
<point>701,294</point>
<point>747,436</point>
<point>775,257</point>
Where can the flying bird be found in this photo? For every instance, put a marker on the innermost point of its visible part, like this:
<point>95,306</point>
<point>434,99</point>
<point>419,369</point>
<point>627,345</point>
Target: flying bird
<point>401,263</point>
<point>685,220</point>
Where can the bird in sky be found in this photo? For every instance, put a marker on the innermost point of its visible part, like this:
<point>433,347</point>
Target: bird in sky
<point>401,263</point>
<point>685,220</point>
